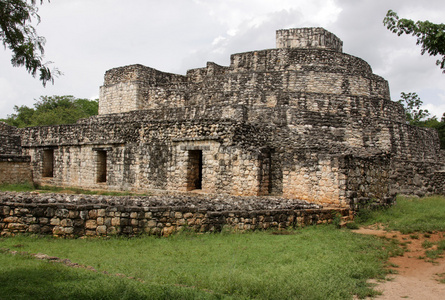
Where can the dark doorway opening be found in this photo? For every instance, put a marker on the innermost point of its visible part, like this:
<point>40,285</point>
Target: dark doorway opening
<point>101,166</point>
<point>48,163</point>
<point>194,170</point>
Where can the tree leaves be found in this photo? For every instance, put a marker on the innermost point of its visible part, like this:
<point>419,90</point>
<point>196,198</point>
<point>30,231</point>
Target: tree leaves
<point>412,104</point>
<point>18,35</point>
<point>430,36</point>
<point>53,110</point>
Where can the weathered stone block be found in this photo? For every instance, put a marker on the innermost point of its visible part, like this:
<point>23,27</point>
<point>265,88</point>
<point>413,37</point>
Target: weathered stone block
<point>57,230</point>
<point>34,228</point>
<point>101,230</point>
<point>91,224</point>
<point>55,221</point>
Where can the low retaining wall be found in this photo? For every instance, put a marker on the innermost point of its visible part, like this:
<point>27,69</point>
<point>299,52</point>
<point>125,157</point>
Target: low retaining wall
<point>81,215</point>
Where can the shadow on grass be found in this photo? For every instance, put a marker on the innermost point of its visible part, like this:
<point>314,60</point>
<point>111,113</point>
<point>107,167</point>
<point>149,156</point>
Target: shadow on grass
<point>25,278</point>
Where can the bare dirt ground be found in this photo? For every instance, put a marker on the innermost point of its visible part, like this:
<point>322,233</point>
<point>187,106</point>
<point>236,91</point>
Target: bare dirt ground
<point>417,276</point>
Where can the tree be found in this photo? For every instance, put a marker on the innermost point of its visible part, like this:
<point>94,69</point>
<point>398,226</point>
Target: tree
<point>421,117</point>
<point>18,35</point>
<point>429,35</point>
<point>412,104</point>
<point>53,110</point>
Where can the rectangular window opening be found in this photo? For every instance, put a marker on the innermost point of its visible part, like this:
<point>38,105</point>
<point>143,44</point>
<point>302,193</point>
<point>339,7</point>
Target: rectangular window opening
<point>194,170</point>
<point>101,166</point>
<point>48,163</point>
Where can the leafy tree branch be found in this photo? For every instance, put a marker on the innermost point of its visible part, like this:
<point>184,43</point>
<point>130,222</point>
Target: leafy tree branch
<point>22,39</point>
<point>430,36</point>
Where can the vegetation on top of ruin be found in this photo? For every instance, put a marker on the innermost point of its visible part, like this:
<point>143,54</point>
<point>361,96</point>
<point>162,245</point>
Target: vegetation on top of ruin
<point>53,110</point>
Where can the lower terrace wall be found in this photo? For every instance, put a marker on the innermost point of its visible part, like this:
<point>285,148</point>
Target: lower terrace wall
<point>81,215</point>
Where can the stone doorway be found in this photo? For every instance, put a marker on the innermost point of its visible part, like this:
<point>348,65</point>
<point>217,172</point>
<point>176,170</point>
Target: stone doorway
<point>194,170</point>
<point>48,163</point>
<point>101,166</point>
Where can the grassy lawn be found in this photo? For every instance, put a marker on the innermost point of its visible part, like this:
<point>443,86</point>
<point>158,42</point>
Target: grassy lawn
<point>27,278</point>
<point>29,187</point>
<point>318,262</point>
<point>312,263</point>
<point>410,214</point>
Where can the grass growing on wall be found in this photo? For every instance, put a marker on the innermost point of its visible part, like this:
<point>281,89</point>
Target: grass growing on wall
<point>312,263</point>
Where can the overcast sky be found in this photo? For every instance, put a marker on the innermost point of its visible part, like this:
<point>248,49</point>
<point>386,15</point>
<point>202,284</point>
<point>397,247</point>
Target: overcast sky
<point>85,38</point>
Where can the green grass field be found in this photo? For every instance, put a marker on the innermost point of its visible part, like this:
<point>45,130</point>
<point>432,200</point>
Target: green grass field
<point>317,262</point>
<point>29,187</point>
<point>313,263</point>
<point>410,214</point>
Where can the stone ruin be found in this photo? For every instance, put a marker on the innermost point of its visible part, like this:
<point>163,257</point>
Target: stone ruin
<point>301,121</point>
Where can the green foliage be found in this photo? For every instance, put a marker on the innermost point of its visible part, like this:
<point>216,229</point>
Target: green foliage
<point>430,36</point>
<point>29,187</point>
<point>53,110</point>
<point>320,262</point>
<point>417,116</point>
<point>427,244</point>
<point>20,187</point>
<point>21,38</point>
<point>410,215</point>
<point>412,104</point>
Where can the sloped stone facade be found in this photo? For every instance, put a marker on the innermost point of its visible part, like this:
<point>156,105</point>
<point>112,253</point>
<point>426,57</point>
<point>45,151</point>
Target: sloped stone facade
<point>302,121</point>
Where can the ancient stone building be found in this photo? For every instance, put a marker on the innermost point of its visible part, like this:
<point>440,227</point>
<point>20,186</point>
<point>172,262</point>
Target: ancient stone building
<point>301,121</point>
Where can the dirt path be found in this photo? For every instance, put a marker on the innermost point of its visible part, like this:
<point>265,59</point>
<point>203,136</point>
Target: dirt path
<point>416,277</point>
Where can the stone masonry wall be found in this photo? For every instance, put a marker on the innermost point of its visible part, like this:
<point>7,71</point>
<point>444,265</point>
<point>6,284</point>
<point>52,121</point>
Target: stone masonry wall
<point>81,215</point>
<point>308,38</point>
<point>15,169</point>
<point>244,152</point>
<point>9,139</point>
<point>124,88</point>
<point>302,121</point>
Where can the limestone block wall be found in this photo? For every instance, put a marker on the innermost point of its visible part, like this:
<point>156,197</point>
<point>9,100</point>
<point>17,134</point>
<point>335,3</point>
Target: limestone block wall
<point>308,38</point>
<point>367,180</point>
<point>437,182</point>
<point>119,97</point>
<point>143,156</point>
<point>9,139</point>
<point>81,215</point>
<point>416,178</point>
<point>15,169</point>
<point>276,150</point>
<point>125,88</point>
<point>316,179</point>
<point>260,78</point>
